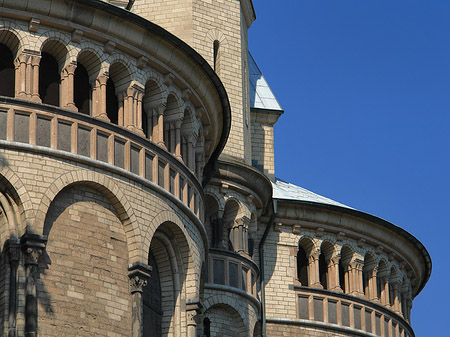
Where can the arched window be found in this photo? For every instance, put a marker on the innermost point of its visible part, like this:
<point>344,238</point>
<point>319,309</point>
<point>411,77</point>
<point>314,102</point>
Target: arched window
<point>323,271</point>
<point>216,46</point>
<point>7,73</point>
<point>112,103</point>
<point>302,267</point>
<point>346,256</point>
<point>49,79</point>
<point>152,302</point>
<point>207,327</point>
<point>82,90</point>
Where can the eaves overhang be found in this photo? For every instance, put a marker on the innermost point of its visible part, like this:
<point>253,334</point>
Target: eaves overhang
<point>193,55</point>
<point>372,218</point>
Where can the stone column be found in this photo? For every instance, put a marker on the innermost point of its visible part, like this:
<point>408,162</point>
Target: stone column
<point>313,269</point>
<point>190,152</point>
<point>384,290</point>
<point>397,308</point>
<point>220,243</point>
<point>193,309</point>
<point>333,274</point>
<point>67,86</point>
<point>178,139</point>
<point>33,246</point>
<point>138,273</point>
<point>373,285</point>
<point>172,137</point>
<point>159,112</point>
<point>35,63</point>
<point>132,108</point>
<point>356,277</point>
<point>13,249</point>
<point>100,98</point>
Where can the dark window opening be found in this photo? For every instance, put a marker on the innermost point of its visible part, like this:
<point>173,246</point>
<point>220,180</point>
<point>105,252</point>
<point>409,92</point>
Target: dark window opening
<point>152,302</point>
<point>323,271</point>
<point>49,80</point>
<point>112,103</point>
<point>82,90</point>
<point>7,72</point>
<point>302,267</point>
<point>216,54</point>
<point>207,327</point>
<point>341,276</point>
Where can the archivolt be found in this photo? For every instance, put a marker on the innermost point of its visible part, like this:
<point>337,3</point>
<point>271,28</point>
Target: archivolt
<point>105,186</point>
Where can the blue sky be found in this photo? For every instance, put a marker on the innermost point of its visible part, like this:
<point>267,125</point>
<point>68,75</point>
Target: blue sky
<point>365,86</point>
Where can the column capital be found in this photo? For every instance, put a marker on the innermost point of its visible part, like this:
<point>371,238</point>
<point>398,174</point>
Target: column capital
<point>13,248</point>
<point>192,310</point>
<point>159,109</point>
<point>33,246</point>
<point>138,273</point>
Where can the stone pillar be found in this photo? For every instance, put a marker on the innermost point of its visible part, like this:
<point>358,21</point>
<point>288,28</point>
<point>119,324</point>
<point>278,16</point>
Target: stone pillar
<point>190,152</point>
<point>178,139</point>
<point>27,76</point>
<point>138,273</point>
<point>193,309</point>
<point>67,87</point>
<point>121,115</point>
<point>397,308</point>
<point>333,274</point>
<point>313,269</point>
<point>172,137</point>
<point>220,243</point>
<point>35,63</point>
<point>159,127</point>
<point>384,290</point>
<point>373,285</point>
<point>13,249</point>
<point>132,108</point>
<point>100,98</point>
<point>356,277</point>
<point>33,246</point>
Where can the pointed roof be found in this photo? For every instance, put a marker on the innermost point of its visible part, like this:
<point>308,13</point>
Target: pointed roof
<point>261,96</point>
<point>287,191</point>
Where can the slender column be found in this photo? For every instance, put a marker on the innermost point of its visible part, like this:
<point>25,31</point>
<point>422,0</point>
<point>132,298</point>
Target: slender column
<point>159,112</point>
<point>396,287</point>
<point>313,267</point>
<point>190,152</point>
<point>13,249</point>
<point>100,93</point>
<point>20,65</point>
<point>333,274</point>
<point>172,137</point>
<point>385,291</point>
<point>138,111</point>
<point>33,245</point>
<point>220,243</point>
<point>67,92</point>
<point>35,63</point>
<point>373,284</point>
<point>356,277</point>
<point>178,139</point>
<point>138,273</point>
<point>193,310</point>
<point>122,114</point>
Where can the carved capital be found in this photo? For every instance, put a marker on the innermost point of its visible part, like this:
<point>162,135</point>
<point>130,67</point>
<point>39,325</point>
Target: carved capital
<point>13,249</point>
<point>33,245</point>
<point>138,273</point>
<point>193,309</point>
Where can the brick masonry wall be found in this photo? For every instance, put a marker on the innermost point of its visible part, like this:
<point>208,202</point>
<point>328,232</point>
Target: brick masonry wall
<point>97,222</point>
<point>262,147</point>
<point>199,23</point>
<point>84,281</point>
<point>281,330</point>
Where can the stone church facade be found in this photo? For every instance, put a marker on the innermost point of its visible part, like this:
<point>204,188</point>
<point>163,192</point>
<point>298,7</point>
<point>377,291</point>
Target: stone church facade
<point>138,195</point>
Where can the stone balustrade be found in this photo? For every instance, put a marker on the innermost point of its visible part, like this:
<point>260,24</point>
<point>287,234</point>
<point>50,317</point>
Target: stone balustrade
<point>233,270</point>
<point>61,132</point>
<point>346,312</point>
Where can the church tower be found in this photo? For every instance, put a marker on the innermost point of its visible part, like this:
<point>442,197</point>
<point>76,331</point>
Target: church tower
<point>217,30</point>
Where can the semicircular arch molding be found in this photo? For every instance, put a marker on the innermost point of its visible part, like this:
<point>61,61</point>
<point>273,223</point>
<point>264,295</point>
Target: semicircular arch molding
<point>20,33</point>
<point>229,302</point>
<point>166,221</point>
<point>105,186</point>
<point>12,183</point>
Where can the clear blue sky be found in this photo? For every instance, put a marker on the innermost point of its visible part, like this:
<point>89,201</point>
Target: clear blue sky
<point>365,86</point>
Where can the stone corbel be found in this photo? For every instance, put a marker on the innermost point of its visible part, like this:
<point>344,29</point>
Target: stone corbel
<point>77,35</point>
<point>109,47</point>
<point>33,25</point>
<point>296,229</point>
<point>141,62</point>
<point>168,79</point>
